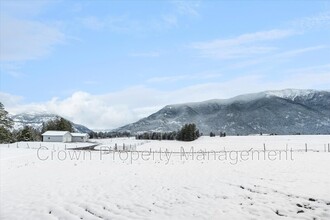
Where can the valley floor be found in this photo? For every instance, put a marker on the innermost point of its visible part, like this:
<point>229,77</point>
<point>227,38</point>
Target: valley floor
<point>68,184</point>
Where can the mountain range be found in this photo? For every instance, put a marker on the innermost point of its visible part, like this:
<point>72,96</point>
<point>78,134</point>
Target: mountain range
<point>288,111</point>
<point>36,119</point>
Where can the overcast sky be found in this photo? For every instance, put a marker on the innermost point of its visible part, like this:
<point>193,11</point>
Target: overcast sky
<point>108,63</point>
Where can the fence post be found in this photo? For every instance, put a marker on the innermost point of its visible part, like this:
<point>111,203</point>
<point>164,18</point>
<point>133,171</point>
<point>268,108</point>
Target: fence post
<point>328,147</point>
<point>17,144</point>
<point>264,147</point>
<point>305,147</point>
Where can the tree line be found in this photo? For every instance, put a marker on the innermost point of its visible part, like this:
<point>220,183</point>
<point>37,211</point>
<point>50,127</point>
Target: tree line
<point>188,132</point>
<point>222,134</point>
<point>108,134</point>
<point>157,136</point>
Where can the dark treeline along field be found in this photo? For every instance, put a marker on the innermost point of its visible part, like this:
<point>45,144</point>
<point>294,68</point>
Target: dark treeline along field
<point>188,132</point>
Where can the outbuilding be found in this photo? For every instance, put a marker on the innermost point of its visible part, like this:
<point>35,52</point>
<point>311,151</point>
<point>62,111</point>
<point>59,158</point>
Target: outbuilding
<point>79,137</point>
<point>57,136</point>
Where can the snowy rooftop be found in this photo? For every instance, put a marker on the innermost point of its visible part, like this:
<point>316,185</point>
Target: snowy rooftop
<point>55,133</point>
<point>79,134</point>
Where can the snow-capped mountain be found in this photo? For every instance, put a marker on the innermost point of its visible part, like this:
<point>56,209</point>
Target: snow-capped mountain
<point>36,119</point>
<point>288,111</point>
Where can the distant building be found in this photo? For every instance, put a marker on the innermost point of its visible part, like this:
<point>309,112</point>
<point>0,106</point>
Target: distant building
<point>57,136</point>
<point>79,137</point>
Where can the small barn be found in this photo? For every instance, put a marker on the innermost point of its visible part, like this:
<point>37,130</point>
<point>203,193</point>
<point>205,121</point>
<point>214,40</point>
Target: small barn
<point>79,137</point>
<point>57,136</point>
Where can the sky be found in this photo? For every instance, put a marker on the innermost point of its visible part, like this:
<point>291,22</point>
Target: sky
<point>104,64</point>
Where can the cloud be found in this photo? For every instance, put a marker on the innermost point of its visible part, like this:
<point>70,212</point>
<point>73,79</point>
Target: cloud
<point>96,111</point>
<point>297,52</point>
<point>187,7</point>
<point>245,45</point>
<point>275,58</point>
<point>12,68</point>
<point>251,45</point>
<point>120,24</point>
<point>22,8</point>
<point>310,69</point>
<point>127,24</point>
<point>182,9</point>
<point>320,20</point>
<point>10,100</point>
<point>23,40</point>
<point>170,20</point>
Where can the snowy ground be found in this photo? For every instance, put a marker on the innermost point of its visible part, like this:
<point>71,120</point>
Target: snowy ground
<point>120,143</point>
<point>296,142</point>
<point>47,145</point>
<point>54,184</point>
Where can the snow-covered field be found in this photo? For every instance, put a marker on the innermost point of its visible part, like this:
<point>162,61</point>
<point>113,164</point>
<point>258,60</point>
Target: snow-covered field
<point>47,145</point>
<point>295,142</point>
<point>67,184</point>
<point>120,143</point>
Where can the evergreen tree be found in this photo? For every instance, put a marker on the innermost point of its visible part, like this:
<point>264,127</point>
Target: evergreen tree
<point>6,124</point>
<point>5,121</point>
<point>5,135</point>
<point>25,134</point>
<point>65,125</point>
<point>188,132</point>
<point>222,134</point>
<point>197,134</point>
<point>28,133</point>
<point>59,124</point>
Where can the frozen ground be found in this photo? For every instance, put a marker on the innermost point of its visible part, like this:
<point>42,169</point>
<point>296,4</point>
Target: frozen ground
<point>106,185</point>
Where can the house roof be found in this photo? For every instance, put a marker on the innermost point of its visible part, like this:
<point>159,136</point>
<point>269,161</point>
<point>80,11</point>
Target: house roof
<point>55,133</point>
<point>79,134</point>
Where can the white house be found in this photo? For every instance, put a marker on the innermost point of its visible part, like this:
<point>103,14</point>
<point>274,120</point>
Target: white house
<point>79,137</point>
<point>57,136</point>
